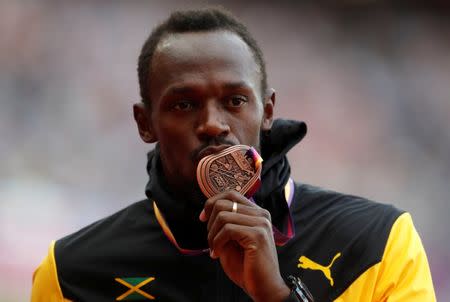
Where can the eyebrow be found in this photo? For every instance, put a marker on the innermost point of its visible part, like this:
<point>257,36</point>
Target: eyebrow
<point>236,85</point>
<point>192,89</point>
<point>180,90</point>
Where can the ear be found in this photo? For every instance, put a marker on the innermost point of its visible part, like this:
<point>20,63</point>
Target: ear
<point>143,121</point>
<point>269,104</point>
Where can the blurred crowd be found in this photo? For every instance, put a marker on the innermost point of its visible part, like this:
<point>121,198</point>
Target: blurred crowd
<point>373,86</point>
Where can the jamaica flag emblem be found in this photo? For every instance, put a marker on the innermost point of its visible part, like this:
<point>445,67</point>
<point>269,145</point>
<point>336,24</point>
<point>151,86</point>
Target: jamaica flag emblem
<point>134,286</point>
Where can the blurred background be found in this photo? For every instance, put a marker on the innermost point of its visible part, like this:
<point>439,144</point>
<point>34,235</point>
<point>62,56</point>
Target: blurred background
<point>371,80</point>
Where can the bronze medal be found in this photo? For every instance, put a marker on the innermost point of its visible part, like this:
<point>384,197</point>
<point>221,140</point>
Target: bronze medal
<point>235,168</point>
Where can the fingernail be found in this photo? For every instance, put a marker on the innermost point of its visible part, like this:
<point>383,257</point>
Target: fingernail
<point>212,254</point>
<point>202,216</point>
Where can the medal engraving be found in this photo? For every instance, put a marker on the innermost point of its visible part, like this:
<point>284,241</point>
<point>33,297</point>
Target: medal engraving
<point>237,168</point>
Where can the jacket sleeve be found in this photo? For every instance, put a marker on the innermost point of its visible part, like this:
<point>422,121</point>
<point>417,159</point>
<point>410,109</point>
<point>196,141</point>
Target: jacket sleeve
<point>403,275</point>
<point>45,280</point>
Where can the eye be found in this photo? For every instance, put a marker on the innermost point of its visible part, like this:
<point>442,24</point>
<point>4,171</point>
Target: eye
<point>183,106</point>
<point>237,101</point>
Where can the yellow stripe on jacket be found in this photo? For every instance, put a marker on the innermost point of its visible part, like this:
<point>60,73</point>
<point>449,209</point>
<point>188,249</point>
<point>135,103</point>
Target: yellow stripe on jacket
<point>403,275</point>
<point>45,280</point>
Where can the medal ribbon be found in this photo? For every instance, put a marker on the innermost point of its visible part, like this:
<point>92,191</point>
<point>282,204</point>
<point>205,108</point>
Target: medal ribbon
<point>280,238</point>
<point>165,227</point>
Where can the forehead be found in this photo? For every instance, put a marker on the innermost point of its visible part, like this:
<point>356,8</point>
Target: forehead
<point>203,55</point>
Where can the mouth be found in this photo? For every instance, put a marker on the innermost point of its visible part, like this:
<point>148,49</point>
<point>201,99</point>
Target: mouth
<point>211,150</point>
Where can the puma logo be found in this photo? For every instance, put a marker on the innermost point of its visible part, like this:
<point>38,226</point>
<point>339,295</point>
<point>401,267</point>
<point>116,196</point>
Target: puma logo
<point>306,263</point>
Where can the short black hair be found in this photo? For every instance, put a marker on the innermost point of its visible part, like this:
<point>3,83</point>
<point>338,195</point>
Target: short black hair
<point>207,19</point>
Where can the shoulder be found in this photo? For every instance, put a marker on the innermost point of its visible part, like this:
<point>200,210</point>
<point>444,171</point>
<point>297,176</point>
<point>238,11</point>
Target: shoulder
<point>113,225</point>
<point>347,232</point>
<point>345,219</point>
<point>104,248</point>
<point>78,254</point>
<point>105,239</point>
<point>45,280</point>
<point>404,269</point>
<point>342,210</point>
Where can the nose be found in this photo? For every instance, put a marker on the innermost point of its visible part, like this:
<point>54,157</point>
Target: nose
<point>212,122</point>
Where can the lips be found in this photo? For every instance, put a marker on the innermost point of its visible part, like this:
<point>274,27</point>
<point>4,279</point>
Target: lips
<point>210,150</point>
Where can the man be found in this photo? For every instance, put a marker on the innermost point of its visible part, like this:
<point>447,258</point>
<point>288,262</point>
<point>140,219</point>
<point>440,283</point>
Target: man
<point>204,89</point>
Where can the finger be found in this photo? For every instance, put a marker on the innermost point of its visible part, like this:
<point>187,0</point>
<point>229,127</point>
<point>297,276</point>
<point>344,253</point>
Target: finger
<point>251,239</point>
<point>229,195</point>
<point>224,218</point>
<point>226,206</point>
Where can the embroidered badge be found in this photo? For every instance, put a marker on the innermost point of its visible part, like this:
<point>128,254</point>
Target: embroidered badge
<point>134,292</point>
<point>306,263</point>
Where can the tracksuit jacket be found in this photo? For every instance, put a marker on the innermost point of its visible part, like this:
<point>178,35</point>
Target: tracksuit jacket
<point>345,248</point>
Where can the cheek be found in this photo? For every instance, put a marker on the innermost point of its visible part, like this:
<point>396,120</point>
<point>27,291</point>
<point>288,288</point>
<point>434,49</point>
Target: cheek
<point>175,149</point>
<point>248,129</point>
<point>176,142</point>
<point>174,132</point>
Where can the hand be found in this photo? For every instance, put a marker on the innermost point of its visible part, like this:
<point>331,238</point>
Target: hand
<point>244,243</point>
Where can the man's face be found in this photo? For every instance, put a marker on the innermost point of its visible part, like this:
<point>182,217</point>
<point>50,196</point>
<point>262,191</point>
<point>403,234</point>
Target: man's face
<point>205,95</point>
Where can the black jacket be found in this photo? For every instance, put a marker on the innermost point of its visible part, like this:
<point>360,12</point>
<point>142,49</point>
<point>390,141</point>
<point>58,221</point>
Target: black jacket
<point>337,239</point>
